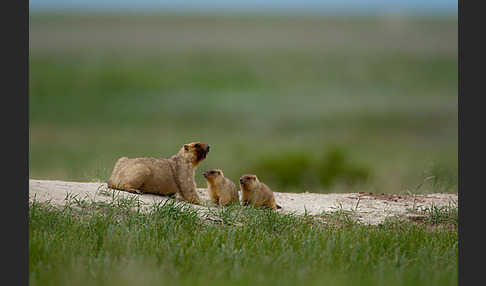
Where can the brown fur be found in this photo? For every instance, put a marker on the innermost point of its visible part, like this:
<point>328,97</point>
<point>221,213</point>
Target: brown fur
<point>256,193</point>
<point>222,190</point>
<point>162,176</point>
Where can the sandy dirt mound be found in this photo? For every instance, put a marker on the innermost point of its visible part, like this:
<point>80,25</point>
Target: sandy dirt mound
<point>368,208</point>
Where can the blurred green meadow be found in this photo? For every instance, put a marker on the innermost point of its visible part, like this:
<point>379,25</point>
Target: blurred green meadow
<point>308,103</point>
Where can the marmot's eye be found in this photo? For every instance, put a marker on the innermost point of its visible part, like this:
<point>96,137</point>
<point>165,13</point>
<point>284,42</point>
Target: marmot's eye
<point>197,145</point>
<point>212,172</point>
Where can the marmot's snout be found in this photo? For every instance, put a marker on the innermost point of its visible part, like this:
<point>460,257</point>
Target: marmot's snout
<point>201,150</point>
<point>247,178</point>
<point>206,151</point>
<point>202,147</point>
<point>212,173</point>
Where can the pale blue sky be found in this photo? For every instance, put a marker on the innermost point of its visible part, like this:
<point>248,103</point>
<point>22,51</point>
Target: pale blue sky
<point>316,6</point>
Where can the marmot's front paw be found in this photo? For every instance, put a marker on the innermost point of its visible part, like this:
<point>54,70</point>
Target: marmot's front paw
<point>135,191</point>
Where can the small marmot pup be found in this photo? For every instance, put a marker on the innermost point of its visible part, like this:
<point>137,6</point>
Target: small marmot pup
<point>256,193</point>
<point>222,191</point>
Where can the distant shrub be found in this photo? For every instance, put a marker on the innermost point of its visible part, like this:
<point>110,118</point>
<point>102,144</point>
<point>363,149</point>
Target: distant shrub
<point>335,166</point>
<point>443,176</point>
<point>287,169</point>
<point>298,169</point>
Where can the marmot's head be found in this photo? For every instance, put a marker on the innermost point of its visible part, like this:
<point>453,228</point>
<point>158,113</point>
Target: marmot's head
<point>196,151</point>
<point>248,182</point>
<point>213,176</point>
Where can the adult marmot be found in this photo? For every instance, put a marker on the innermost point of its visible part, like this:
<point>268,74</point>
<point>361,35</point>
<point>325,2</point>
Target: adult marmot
<point>222,190</point>
<point>163,176</point>
<point>256,193</point>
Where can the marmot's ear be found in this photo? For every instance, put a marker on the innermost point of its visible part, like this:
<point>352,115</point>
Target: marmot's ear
<point>186,147</point>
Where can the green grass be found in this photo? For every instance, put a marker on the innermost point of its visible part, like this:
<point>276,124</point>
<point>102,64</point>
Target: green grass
<point>86,243</point>
<point>383,90</point>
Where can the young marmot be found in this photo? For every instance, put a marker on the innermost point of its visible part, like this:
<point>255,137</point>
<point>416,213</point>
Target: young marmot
<point>162,176</point>
<point>222,191</point>
<point>256,193</point>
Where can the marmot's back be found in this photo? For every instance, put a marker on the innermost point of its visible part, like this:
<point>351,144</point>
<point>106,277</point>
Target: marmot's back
<point>233,191</point>
<point>147,175</point>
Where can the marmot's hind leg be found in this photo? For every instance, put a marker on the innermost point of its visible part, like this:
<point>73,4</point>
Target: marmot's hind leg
<point>225,200</point>
<point>213,198</point>
<point>112,181</point>
<point>133,177</point>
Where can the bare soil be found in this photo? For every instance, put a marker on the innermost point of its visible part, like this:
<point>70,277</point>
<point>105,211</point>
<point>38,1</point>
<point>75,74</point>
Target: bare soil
<point>367,208</point>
